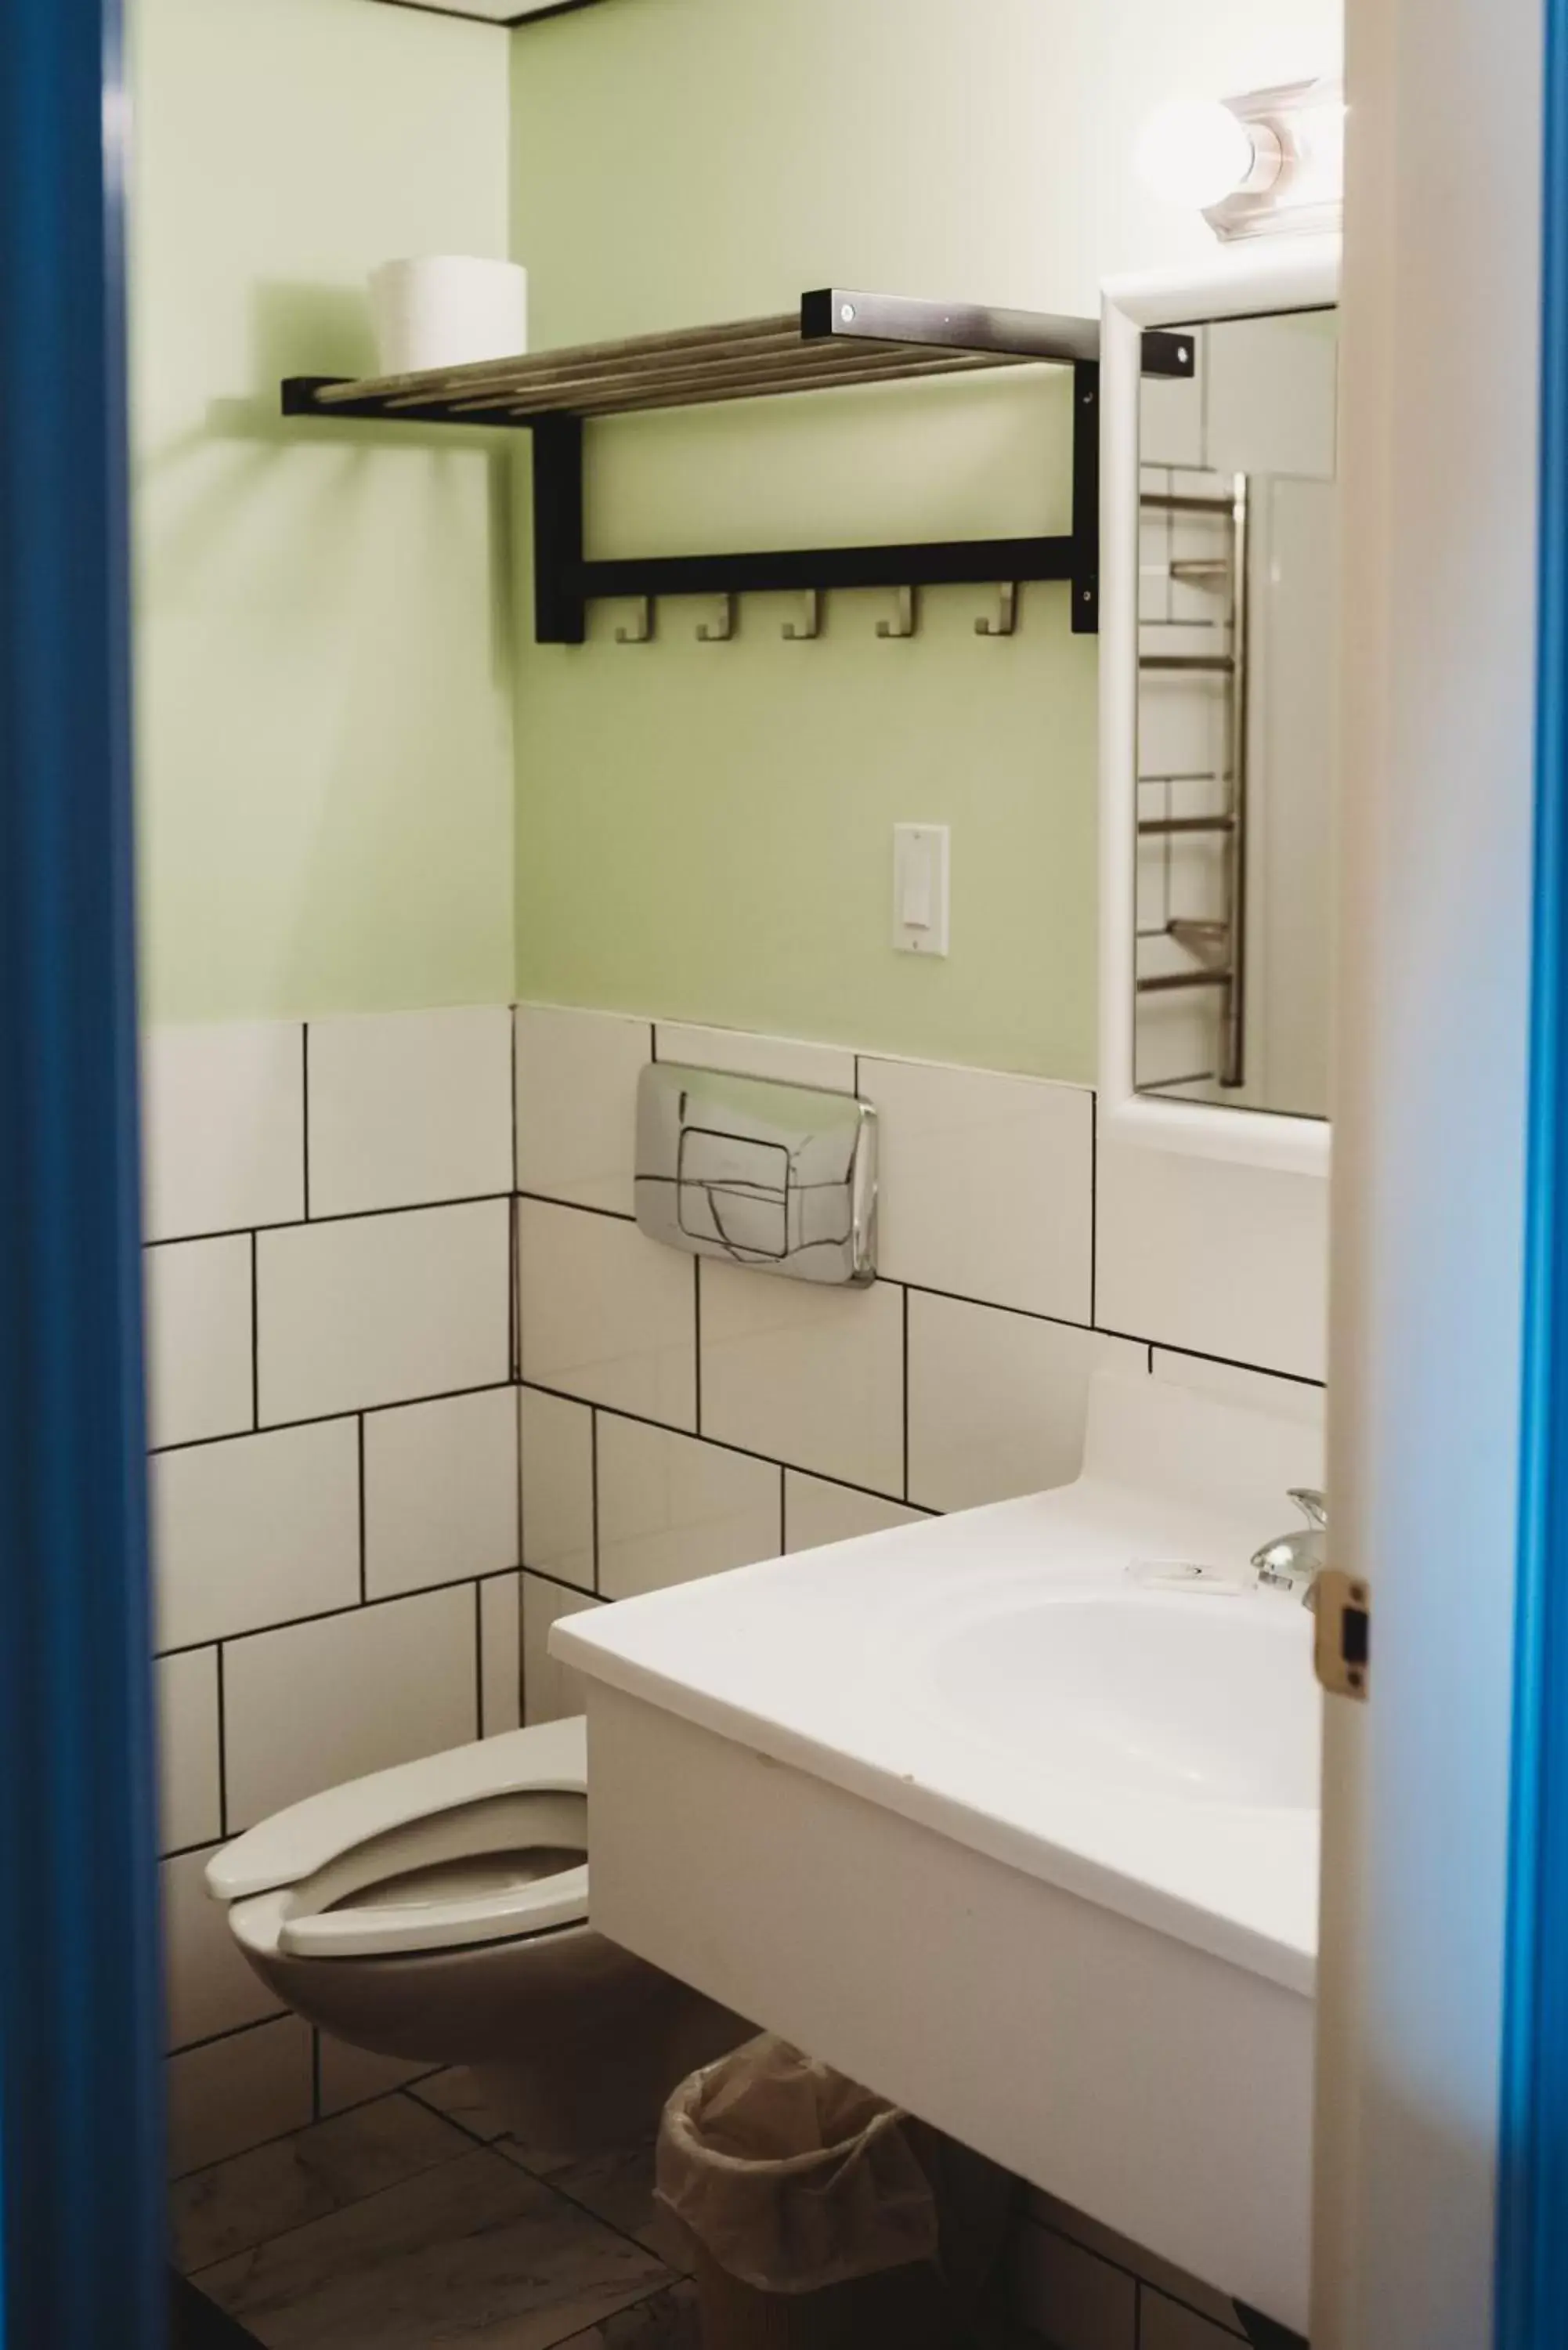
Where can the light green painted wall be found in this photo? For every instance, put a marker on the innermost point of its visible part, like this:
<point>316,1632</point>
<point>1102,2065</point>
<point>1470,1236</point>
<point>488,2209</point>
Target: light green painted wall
<point>704,830</point>
<point>324,640</point>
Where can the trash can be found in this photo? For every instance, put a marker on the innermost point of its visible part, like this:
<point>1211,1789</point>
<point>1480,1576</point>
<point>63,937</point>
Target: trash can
<point>821,2217</point>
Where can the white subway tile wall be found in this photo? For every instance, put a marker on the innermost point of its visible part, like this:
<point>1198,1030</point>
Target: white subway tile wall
<point>403,1423</point>
<point>557,1445</point>
<point>551,1691</point>
<point>223,1127</point>
<point>441,1492</point>
<point>500,1654</point>
<point>576,1074</point>
<point>671,1508</point>
<point>334,1423</point>
<point>606,1315</point>
<point>256,1531</point>
<point>201,1343</point>
<point>810,1376</point>
<point>827,1068</point>
<point>986,1185</point>
<point>381,1309</point>
<point>998,1400</point>
<point>817,1512</point>
<point>312,1705</point>
<point>189,1773</point>
<point>208,1989</point>
<point>409,1111</point>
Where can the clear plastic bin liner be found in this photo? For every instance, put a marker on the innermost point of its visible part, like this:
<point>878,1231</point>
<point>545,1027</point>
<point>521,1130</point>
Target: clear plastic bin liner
<point>790,2176</point>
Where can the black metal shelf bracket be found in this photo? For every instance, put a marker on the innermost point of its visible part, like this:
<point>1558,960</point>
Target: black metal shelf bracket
<point>841,337</point>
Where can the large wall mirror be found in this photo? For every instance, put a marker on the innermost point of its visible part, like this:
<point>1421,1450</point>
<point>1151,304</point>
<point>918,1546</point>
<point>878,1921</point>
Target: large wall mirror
<point>1220,707</point>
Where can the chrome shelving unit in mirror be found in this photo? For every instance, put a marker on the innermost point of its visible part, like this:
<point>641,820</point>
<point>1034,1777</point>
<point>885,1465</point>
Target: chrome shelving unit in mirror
<point>839,338</point>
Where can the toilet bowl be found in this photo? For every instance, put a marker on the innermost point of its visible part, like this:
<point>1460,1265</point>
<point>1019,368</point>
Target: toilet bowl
<point>438,1911</point>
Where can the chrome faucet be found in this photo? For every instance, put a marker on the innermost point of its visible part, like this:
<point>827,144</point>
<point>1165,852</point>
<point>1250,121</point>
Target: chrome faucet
<point>1293,1562</point>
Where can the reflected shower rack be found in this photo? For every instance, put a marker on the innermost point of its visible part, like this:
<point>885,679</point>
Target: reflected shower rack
<point>839,338</point>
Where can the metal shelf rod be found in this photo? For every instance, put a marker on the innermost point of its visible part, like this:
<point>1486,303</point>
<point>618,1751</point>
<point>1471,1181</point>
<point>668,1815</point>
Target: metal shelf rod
<point>1219,664</point>
<point>980,562</point>
<point>1169,981</point>
<point>1175,824</point>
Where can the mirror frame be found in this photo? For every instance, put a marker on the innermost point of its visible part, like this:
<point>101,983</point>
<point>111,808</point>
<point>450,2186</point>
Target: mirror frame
<point>1266,275</point>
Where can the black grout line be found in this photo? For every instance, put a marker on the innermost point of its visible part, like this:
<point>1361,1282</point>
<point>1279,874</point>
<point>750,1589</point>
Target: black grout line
<point>223,1232</point>
<point>517,1170</point>
<point>559,1583</point>
<point>1143,2283</point>
<point>514,1289</point>
<point>334,1615</point>
<point>580,1207</point>
<point>365,1216</point>
<point>593,1486</point>
<point>305,1079</point>
<point>745,1451</point>
<point>697,1341</point>
<point>521,1476</point>
<point>189,1851</point>
<point>235,2032</point>
<point>364,1544</point>
<point>223,1747</point>
<point>783,1510</point>
<point>1226,1362</point>
<point>904,1378</point>
<point>325,1418</point>
<point>1094,1203</point>
<point>478,1662</point>
<point>256,1332</point>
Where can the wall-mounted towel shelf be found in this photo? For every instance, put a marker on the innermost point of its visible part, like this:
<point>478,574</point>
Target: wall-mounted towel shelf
<point>840,338</point>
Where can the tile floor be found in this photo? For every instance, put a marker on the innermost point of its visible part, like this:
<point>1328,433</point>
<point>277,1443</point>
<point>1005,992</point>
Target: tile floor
<point>417,2222</point>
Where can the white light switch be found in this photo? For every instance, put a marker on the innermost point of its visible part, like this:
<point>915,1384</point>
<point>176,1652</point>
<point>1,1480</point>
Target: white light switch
<point>921,888</point>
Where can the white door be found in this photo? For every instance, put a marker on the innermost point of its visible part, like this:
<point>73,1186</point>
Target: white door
<point>1442,296</point>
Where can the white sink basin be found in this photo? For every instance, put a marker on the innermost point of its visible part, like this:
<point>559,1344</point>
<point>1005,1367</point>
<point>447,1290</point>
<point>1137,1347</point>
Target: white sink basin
<point>991,1821</point>
<point>1204,1699</point>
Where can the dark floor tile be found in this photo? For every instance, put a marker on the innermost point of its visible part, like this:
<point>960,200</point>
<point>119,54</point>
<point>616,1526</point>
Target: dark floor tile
<point>668,2322</point>
<point>455,2093</point>
<point>474,2252</point>
<point>615,2186</point>
<point>217,2212</point>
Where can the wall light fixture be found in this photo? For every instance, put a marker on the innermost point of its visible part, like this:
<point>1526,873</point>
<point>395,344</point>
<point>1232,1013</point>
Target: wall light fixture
<point>1271,161</point>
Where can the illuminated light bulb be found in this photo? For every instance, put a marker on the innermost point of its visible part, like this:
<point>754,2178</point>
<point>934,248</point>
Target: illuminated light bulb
<point>1196,152</point>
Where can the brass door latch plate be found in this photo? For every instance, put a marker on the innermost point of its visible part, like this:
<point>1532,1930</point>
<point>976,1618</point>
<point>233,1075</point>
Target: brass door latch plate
<point>1343,1642</point>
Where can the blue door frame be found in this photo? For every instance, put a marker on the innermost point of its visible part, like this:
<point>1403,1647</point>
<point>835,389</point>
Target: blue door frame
<point>81,2167</point>
<point>1532,2217</point>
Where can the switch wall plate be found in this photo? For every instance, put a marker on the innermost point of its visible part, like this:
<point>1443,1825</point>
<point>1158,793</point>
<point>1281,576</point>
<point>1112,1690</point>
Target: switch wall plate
<point>921,863</point>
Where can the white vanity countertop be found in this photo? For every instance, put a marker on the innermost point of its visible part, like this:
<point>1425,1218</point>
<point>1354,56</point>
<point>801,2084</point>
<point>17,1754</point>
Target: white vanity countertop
<point>830,1661</point>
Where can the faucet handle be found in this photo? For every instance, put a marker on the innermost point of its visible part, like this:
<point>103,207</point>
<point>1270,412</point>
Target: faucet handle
<point>1313,1504</point>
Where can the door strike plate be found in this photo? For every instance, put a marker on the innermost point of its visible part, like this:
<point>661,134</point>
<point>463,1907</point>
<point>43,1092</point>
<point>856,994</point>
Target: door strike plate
<point>1343,1644</point>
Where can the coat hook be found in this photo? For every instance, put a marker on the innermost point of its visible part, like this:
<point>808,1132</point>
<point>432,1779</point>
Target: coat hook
<point>640,631</point>
<point>1006,621</point>
<point>723,628</point>
<point>907,619</point>
<point>812,626</point>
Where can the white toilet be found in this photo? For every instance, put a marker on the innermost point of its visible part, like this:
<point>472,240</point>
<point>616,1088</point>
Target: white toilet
<point>438,1911</point>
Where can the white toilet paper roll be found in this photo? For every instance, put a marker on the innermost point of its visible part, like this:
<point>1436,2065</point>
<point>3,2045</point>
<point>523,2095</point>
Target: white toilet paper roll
<point>447,311</point>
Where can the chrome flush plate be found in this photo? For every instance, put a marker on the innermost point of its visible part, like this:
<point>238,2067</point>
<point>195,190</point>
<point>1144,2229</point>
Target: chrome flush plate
<point>781,1178</point>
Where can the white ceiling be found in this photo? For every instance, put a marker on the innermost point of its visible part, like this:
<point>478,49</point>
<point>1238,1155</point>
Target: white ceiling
<point>495,12</point>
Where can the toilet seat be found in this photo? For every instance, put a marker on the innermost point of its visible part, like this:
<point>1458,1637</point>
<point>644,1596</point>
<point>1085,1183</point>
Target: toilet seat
<point>482,1843</point>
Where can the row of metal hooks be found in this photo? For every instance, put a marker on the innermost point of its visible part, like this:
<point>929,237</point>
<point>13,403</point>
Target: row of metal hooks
<point>904,623</point>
